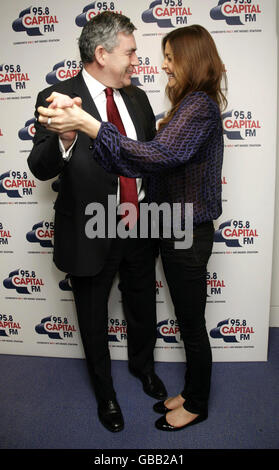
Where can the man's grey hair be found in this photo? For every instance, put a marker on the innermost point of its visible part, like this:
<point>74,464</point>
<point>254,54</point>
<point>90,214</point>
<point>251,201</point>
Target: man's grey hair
<point>102,30</point>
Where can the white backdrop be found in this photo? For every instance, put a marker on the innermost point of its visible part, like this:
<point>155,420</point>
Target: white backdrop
<point>39,48</point>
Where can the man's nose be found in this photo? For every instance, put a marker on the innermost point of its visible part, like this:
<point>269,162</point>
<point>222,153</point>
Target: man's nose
<point>134,59</point>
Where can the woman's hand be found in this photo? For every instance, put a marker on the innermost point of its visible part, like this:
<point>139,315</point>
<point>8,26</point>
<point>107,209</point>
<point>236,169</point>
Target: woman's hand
<point>60,120</point>
<point>58,100</point>
<point>65,115</point>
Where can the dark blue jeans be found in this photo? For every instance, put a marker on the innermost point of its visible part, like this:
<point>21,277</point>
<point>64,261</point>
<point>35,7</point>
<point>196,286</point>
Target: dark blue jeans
<point>185,271</point>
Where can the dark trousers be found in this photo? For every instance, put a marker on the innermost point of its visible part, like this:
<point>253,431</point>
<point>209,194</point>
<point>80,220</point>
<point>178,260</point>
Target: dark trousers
<point>185,271</point>
<point>135,261</point>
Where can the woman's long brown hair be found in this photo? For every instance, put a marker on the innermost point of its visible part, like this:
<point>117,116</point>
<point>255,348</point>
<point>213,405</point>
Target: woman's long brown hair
<point>198,67</point>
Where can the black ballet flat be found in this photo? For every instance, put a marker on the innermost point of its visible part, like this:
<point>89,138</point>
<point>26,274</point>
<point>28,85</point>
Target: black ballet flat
<point>160,407</point>
<point>163,425</point>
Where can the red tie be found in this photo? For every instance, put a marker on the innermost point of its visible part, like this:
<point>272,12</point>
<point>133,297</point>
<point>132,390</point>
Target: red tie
<point>128,186</point>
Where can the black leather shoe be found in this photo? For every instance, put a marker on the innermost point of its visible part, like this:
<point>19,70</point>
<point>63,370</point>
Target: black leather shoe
<point>152,384</point>
<point>110,415</point>
<point>163,425</point>
<point>160,407</point>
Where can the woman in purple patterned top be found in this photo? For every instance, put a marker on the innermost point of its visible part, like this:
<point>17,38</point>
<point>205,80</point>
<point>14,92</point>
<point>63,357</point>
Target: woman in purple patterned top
<point>183,164</point>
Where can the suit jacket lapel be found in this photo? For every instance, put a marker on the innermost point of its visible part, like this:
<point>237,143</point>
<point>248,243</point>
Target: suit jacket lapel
<point>80,89</point>
<point>131,105</point>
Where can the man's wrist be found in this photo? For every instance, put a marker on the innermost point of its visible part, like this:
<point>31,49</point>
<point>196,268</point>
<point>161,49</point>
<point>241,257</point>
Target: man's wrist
<point>66,146</point>
<point>67,143</point>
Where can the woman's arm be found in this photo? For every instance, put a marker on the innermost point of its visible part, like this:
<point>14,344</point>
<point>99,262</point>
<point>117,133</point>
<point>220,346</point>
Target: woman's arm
<point>197,117</point>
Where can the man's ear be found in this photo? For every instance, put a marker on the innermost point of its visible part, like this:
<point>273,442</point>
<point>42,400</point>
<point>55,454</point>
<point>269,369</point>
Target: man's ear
<point>100,53</point>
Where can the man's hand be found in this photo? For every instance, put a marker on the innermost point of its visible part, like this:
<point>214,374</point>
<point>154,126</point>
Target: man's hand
<point>58,100</point>
<point>68,119</point>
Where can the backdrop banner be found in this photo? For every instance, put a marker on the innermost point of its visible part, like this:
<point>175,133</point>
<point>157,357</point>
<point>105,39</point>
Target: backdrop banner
<point>39,48</point>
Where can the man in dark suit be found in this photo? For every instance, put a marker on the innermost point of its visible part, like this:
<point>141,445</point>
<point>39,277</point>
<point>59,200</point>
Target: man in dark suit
<point>107,48</point>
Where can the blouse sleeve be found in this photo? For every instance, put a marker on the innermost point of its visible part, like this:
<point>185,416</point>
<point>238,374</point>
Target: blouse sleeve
<point>196,118</point>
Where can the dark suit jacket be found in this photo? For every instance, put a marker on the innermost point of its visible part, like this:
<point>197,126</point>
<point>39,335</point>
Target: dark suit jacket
<point>81,180</point>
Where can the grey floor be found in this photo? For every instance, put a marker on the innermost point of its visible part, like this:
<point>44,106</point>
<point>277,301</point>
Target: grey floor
<point>47,403</point>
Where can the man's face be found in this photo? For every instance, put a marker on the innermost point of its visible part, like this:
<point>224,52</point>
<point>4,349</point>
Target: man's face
<point>119,63</point>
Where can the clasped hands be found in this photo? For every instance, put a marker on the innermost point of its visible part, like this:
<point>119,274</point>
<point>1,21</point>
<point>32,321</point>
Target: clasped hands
<point>65,116</point>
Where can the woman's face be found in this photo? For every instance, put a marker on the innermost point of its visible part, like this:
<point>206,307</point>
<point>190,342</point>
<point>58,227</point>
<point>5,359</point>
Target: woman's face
<point>168,65</point>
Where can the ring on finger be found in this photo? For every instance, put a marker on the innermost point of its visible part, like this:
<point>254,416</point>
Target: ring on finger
<point>49,121</point>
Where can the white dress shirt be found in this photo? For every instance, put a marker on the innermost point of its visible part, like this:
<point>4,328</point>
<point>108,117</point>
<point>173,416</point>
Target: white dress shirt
<point>97,92</point>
